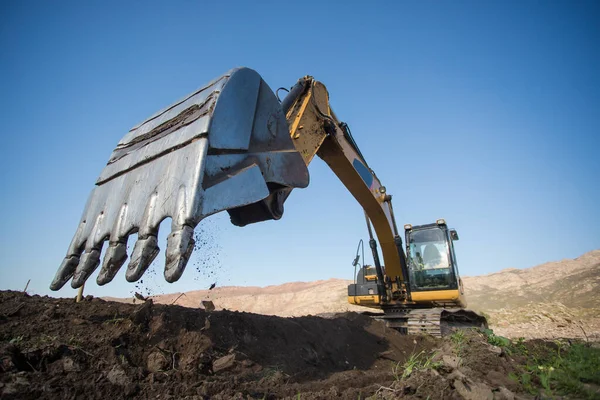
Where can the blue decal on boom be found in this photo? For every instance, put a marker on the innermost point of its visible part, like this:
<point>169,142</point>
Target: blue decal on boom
<point>363,171</point>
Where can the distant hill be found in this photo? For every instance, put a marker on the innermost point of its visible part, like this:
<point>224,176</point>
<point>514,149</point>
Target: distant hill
<point>574,283</point>
<point>287,300</point>
<point>555,299</point>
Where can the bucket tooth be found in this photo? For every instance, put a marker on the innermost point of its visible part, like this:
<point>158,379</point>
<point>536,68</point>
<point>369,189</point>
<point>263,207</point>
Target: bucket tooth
<point>90,259</point>
<point>65,272</point>
<point>88,263</point>
<point>144,252</point>
<point>180,245</point>
<point>115,257</point>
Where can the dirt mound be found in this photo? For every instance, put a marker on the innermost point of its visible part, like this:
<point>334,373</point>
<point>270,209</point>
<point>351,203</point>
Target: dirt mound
<point>59,349</point>
<point>56,348</point>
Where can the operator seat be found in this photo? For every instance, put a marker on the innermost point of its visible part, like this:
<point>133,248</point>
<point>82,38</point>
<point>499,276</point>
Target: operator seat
<point>431,256</point>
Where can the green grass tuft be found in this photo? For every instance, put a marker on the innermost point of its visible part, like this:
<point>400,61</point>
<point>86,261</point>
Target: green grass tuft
<point>416,362</point>
<point>566,370</point>
<point>496,340</point>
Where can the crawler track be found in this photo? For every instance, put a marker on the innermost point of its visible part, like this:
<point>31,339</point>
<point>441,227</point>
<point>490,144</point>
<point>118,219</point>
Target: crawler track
<point>433,321</point>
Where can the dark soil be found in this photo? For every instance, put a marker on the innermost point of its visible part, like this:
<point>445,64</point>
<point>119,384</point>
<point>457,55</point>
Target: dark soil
<point>59,349</point>
<point>56,348</point>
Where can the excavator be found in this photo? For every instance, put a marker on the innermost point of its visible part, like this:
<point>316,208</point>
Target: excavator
<point>233,145</point>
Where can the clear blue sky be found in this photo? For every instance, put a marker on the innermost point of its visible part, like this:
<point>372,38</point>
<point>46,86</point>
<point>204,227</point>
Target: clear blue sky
<point>484,113</point>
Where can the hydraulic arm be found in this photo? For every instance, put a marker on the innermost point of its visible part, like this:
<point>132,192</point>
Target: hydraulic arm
<point>315,130</point>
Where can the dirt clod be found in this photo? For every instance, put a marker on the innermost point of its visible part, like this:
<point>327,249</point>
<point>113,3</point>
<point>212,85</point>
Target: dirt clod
<point>451,361</point>
<point>157,362</point>
<point>503,394</point>
<point>224,363</point>
<point>142,313</point>
<point>117,376</point>
<point>470,390</point>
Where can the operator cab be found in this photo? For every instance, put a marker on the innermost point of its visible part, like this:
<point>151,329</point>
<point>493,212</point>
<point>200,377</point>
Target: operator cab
<point>430,257</point>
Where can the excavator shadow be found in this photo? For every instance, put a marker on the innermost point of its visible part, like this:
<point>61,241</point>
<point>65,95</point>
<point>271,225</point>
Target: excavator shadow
<point>294,349</point>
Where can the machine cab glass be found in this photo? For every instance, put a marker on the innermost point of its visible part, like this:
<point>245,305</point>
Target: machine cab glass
<point>430,259</point>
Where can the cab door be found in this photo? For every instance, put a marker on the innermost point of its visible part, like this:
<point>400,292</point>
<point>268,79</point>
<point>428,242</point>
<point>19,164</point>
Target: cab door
<point>453,235</point>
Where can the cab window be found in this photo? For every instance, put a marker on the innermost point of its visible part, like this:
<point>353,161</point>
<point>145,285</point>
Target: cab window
<point>429,263</point>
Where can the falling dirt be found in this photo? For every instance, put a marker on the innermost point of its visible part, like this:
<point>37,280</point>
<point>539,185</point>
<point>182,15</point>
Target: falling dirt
<point>206,259</point>
<point>59,349</point>
<point>204,266</point>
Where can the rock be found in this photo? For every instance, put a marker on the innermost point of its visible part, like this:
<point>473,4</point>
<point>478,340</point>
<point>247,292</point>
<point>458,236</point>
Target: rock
<point>503,394</point>
<point>7,364</point>
<point>117,376</point>
<point>470,390</point>
<point>496,350</point>
<point>143,313</point>
<point>157,362</point>
<point>208,305</point>
<point>451,361</point>
<point>224,363</point>
<point>70,365</point>
<point>456,374</point>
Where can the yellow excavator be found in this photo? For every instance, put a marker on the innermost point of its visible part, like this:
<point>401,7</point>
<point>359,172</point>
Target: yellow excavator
<point>233,146</point>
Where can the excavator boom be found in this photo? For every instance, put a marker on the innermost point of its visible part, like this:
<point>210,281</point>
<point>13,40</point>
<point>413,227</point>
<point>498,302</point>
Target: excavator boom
<point>315,129</point>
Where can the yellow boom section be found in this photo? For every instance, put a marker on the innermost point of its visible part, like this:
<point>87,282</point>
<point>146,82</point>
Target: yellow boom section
<point>315,129</point>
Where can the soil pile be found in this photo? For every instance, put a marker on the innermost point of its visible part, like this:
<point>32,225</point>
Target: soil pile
<point>58,349</point>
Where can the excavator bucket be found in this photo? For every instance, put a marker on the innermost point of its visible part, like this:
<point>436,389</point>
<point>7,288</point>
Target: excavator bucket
<point>225,146</point>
